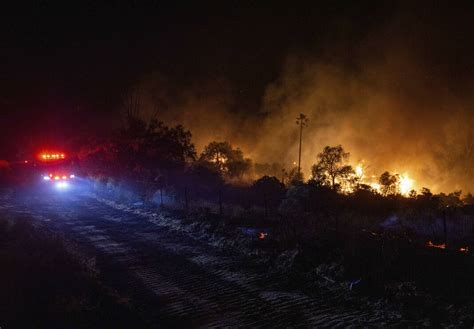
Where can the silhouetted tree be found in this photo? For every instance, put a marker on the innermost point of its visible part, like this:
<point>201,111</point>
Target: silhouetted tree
<point>468,199</point>
<point>389,183</point>
<point>201,174</point>
<point>271,191</point>
<point>141,150</point>
<point>294,176</point>
<point>158,148</point>
<point>331,168</point>
<point>452,199</point>
<point>364,187</point>
<point>269,169</point>
<point>427,201</point>
<point>223,158</point>
<point>426,192</point>
<point>269,185</point>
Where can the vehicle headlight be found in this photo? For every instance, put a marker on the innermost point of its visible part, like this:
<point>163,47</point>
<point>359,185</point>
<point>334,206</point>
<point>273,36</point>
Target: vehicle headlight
<point>62,185</point>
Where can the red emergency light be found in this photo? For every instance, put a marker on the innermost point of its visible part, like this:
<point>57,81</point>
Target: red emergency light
<point>51,156</point>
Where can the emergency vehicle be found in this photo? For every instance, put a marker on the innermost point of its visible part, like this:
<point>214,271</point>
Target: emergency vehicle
<point>56,169</point>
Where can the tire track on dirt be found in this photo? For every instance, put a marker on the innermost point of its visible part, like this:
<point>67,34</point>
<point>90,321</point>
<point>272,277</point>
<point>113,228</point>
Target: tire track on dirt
<point>181,282</point>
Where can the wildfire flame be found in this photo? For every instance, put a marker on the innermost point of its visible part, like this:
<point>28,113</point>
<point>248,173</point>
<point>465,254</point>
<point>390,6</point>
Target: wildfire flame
<point>430,244</point>
<point>219,158</point>
<point>439,246</point>
<point>406,184</point>
<point>359,170</point>
<point>376,186</point>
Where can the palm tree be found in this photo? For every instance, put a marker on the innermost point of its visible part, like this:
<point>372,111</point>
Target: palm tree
<point>301,120</point>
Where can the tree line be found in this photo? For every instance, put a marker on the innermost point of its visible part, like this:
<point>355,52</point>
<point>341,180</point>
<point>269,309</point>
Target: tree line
<point>153,152</point>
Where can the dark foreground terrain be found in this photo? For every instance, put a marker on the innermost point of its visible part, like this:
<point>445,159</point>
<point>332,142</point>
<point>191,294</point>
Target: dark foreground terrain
<point>169,279</point>
<point>44,286</point>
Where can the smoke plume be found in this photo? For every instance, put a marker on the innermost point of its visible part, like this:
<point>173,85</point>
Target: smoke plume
<point>398,100</point>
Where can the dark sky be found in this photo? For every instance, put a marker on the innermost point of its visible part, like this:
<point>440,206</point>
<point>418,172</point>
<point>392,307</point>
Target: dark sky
<point>64,67</point>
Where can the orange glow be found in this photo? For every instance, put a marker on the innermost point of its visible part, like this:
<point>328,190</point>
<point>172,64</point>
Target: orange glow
<point>56,177</point>
<point>376,186</point>
<point>359,171</point>
<point>439,246</point>
<point>406,184</point>
<point>64,177</point>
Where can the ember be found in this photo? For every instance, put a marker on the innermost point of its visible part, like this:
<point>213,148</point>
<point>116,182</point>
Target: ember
<point>262,235</point>
<point>464,249</point>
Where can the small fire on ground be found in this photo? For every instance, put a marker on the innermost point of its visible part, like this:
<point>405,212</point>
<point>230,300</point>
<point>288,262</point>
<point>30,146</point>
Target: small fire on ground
<point>430,244</point>
<point>439,246</point>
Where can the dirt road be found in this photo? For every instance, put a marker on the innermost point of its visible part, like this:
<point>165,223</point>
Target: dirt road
<point>177,281</point>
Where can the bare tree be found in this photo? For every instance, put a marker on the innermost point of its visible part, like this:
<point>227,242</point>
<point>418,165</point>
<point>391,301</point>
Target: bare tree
<point>132,103</point>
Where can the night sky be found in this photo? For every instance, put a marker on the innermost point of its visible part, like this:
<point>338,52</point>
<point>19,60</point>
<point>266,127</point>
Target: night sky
<point>65,67</point>
<point>89,53</point>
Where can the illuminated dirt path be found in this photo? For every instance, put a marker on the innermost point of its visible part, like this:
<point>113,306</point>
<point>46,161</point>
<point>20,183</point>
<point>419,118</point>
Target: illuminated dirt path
<point>179,282</point>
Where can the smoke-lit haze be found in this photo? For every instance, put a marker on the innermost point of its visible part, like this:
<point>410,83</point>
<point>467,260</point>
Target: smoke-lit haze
<point>399,100</point>
<point>390,81</point>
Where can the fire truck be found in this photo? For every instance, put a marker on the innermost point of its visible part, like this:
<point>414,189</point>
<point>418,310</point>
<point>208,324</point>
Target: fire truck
<point>56,169</point>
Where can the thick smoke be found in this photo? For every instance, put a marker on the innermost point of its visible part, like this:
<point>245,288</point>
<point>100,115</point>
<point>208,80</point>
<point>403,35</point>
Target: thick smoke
<point>400,100</point>
<point>385,121</point>
<point>396,107</point>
